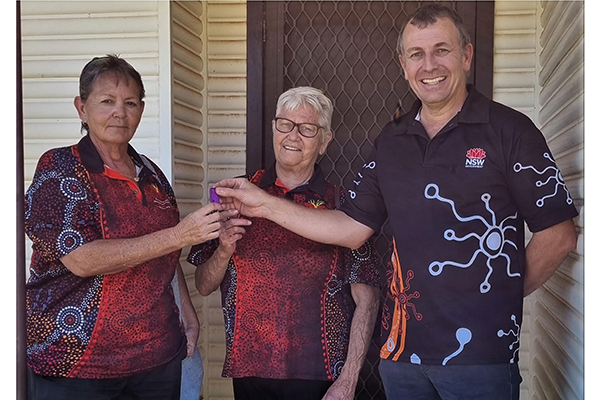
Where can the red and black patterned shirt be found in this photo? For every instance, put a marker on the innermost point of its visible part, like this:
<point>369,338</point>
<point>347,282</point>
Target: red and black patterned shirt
<point>105,326</point>
<point>286,300</point>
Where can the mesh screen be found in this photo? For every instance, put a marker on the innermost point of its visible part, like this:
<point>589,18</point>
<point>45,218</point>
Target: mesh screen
<point>347,49</point>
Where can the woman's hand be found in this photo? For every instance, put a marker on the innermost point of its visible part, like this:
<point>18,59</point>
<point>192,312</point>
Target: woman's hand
<point>192,331</point>
<point>232,230</point>
<point>191,325</point>
<point>203,225</point>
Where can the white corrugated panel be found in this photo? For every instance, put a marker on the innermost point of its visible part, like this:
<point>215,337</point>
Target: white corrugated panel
<point>226,89</point>
<point>58,39</point>
<point>189,103</point>
<point>223,110</point>
<point>190,130</point>
<point>557,308</point>
<point>514,85</point>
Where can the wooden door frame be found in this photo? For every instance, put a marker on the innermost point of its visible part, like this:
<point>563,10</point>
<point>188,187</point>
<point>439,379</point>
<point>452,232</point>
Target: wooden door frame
<point>265,26</point>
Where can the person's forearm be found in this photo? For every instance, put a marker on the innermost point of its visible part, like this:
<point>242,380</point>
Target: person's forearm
<point>191,325</point>
<point>545,252</point>
<point>109,256</point>
<point>188,313</point>
<point>209,275</point>
<point>324,226</point>
<point>361,330</point>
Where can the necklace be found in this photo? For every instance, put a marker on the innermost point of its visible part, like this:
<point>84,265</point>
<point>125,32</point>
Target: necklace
<point>133,178</point>
<point>130,177</point>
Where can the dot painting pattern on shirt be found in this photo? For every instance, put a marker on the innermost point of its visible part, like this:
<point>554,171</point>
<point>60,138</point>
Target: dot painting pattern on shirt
<point>74,324</point>
<point>286,300</point>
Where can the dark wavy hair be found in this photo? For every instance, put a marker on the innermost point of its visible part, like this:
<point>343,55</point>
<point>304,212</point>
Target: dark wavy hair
<point>109,64</point>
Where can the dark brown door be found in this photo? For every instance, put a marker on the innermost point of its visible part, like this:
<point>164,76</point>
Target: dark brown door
<point>346,49</point>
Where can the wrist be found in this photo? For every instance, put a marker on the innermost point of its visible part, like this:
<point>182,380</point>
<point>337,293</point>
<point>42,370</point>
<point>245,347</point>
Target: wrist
<point>177,236</point>
<point>274,209</point>
<point>224,252</point>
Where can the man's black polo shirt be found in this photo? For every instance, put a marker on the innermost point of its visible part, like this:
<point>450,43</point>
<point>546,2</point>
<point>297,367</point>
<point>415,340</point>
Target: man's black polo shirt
<point>456,205</point>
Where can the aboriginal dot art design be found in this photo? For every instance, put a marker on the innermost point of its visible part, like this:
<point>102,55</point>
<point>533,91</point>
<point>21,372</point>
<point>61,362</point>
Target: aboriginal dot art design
<point>286,300</point>
<point>74,324</point>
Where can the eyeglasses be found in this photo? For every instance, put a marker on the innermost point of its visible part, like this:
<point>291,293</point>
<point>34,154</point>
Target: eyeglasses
<point>306,129</point>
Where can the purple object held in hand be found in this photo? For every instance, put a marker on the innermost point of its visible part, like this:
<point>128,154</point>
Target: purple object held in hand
<point>214,197</point>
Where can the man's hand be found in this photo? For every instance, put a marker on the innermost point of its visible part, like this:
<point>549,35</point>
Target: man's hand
<point>246,197</point>
<point>311,223</point>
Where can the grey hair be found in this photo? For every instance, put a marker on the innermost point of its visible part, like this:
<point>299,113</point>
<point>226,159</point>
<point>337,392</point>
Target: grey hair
<point>297,97</point>
<point>429,15</point>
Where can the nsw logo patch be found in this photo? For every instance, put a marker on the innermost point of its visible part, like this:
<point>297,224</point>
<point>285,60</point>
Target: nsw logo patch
<point>475,158</point>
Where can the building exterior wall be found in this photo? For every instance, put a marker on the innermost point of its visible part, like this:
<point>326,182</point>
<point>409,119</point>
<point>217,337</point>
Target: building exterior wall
<point>58,39</point>
<point>225,78</point>
<point>556,366</point>
<point>538,69</point>
<point>515,85</point>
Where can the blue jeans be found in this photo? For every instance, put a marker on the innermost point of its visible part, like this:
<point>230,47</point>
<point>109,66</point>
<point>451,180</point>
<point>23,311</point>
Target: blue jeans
<point>192,374</point>
<point>406,381</point>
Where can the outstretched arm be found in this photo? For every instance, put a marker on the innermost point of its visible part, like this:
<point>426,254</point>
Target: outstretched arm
<point>366,298</point>
<point>109,256</point>
<point>324,226</point>
<point>546,251</point>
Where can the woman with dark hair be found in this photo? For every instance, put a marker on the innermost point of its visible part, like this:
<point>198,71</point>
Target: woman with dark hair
<point>102,321</point>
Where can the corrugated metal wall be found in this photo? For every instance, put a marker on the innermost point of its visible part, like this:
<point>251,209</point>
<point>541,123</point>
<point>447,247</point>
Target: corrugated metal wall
<point>190,124</point>
<point>538,69</point>
<point>514,85</point>
<point>226,98</point>
<point>57,42</point>
<point>557,308</point>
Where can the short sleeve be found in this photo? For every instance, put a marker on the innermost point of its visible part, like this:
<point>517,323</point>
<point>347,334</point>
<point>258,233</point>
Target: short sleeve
<point>362,264</point>
<point>364,202</point>
<point>536,183</point>
<point>200,253</point>
<point>61,212</point>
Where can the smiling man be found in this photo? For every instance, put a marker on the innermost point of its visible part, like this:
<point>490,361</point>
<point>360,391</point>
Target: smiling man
<point>458,176</point>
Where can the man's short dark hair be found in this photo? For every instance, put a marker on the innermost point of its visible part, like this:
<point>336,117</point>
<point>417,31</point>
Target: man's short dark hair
<point>429,15</point>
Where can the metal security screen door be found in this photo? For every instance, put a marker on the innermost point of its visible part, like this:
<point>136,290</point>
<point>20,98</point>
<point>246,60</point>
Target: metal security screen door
<point>346,49</point>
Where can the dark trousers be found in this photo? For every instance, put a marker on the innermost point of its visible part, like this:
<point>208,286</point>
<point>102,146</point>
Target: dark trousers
<point>160,383</point>
<point>279,389</point>
<point>403,380</point>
